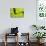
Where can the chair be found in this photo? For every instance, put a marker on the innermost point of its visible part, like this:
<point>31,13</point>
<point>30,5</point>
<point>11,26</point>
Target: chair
<point>14,32</point>
<point>25,43</point>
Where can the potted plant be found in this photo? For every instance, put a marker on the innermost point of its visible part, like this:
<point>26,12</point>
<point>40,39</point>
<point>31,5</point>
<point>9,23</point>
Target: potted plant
<point>39,35</point>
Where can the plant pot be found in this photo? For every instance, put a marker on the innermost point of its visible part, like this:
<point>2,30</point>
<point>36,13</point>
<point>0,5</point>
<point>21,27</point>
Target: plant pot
<point>38,42</point>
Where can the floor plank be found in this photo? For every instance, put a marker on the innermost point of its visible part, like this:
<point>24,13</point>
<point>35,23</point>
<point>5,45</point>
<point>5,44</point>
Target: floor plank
<point>13,44</point>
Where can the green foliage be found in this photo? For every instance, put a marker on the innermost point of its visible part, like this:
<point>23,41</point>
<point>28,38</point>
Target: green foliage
<point>39,35</point>
<point>35,27</point>
<point>40,27</point>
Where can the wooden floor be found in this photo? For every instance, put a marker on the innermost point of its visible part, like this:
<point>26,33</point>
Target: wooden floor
<point>13,44</point>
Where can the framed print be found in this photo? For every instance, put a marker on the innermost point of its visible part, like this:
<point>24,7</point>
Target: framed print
<point>41,12</point>
<point>41,8</point>
<point>16,12</point>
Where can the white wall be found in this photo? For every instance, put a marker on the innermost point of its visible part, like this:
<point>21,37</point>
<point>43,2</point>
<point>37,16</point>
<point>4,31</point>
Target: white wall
<point>23,23</point>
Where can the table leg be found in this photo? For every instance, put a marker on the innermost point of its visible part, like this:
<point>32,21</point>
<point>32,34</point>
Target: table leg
<point>17,39</point>
<point>5,40</point>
